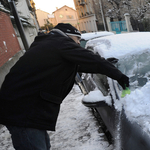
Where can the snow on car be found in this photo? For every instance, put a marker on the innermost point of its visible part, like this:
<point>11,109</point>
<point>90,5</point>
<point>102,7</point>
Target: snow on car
<point>120,44</point>
<point>88,36</point>
<point>128,48</point>
<point>127,118</point>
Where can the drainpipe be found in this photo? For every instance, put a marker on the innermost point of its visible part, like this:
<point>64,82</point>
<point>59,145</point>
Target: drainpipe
<point>100,2</point>
<point>19,24</point>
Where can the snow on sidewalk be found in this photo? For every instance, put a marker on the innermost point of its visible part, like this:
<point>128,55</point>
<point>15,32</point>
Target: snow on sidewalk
<point>76,129</point>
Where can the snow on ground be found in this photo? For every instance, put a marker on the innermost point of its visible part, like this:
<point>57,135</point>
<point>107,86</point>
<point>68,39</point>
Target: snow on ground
<point>76,129</point>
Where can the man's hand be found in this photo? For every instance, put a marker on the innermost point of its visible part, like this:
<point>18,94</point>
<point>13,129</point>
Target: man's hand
<point>124,81</point>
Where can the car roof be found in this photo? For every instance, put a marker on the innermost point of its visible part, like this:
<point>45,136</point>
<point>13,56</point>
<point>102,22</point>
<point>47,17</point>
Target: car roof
<point>88,36</point>
<point>120,44</point>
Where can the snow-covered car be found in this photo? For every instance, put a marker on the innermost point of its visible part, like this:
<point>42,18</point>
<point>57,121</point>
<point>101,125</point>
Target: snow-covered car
<point>89,36</point>
<point>126,118</point>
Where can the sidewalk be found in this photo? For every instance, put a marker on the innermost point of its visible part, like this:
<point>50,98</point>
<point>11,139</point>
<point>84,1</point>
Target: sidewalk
<point>76,128</point>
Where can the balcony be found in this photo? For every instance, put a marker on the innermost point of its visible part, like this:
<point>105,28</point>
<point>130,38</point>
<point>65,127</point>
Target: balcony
<point>82,2</point>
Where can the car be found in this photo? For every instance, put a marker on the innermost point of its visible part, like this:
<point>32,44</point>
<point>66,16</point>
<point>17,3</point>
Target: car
<point>127,117</point>
<point>85,37</point>
<point>92,35</point>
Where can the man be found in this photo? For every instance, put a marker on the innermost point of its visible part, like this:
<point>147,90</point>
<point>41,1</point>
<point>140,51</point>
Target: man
<point>33,90</point>
<point>41,32</point>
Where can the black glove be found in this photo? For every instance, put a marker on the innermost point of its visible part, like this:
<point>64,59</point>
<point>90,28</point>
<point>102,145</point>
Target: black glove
<point>124,81</point>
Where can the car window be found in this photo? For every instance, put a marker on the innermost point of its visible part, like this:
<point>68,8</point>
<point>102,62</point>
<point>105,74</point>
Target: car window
<point>102,83</point>
<point>137,68</point>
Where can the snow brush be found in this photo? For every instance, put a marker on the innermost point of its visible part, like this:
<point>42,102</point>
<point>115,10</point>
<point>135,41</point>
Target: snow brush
<point>125,92</point>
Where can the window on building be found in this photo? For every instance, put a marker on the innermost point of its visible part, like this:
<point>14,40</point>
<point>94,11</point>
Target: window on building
<point>70,17</point>
<point>61,16</point>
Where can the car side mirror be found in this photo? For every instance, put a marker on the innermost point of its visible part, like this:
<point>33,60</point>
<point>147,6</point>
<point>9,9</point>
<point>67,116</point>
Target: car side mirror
<point>94,104</point>
<point>113,60</point>
<point>95,99</point>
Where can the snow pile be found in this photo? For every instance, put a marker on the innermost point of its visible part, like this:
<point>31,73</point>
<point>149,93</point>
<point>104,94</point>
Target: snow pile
<point>88,36</point>
<point>139,105</point>
<point>136,106</point>
<point>121,44</point>
<point>5,139</point>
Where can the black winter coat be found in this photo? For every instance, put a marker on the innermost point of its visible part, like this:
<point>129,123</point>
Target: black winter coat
<point>36,85</point>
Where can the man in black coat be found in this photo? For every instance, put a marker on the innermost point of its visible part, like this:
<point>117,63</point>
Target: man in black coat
<point>36,85</point>
<point>41,32</point>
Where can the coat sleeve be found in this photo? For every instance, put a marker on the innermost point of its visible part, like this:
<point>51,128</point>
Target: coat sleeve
<point>88,61</point>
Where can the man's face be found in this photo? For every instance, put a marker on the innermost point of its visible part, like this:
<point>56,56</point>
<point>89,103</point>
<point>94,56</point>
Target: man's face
<point>75,38</point>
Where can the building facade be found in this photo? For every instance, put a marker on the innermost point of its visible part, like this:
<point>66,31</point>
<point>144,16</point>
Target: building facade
<point>42,17</point>
<point>10,39</point>
<point>52,19</point>
<point>98,8</point>
<point>9,44</point>
<point>28,20</point>
<point>66,14</point>
<point>86,15</point>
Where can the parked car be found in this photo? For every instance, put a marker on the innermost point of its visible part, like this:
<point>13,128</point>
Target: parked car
<point>92,35</point>
<point>84,38</point>
<point>127,119</point>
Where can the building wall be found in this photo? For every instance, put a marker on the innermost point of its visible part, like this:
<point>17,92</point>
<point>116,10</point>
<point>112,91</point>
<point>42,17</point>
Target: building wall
<point>41,16</point>
<point>66,15</point>
<point>4,70</point>
<point>24,12</point>
<point>98,13</point>
<point>86,15</point>
<point>52,19</point>
<point>88,24</point>
<point>33,15</point>
<point>9,45</point>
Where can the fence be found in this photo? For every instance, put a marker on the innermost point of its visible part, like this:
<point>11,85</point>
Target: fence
<point>118,26</point>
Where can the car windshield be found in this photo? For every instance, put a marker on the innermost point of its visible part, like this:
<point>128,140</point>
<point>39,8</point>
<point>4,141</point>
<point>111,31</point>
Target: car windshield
<point>137,68</point>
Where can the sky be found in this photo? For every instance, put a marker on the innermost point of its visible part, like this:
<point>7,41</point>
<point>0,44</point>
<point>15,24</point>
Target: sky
<point>50,5</point>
